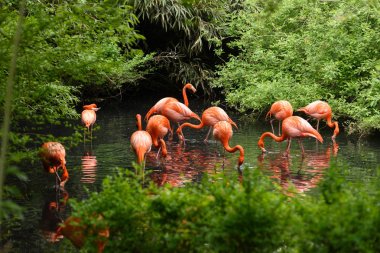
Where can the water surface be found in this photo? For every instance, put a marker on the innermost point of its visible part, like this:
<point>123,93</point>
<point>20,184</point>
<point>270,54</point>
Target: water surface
<point>90,163</point>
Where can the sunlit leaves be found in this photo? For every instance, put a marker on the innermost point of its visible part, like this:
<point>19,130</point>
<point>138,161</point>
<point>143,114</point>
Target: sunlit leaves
<point>303,51</point>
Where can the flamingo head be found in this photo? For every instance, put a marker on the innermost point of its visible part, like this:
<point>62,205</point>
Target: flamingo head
<point>91,107</point>
<point>190,87</point>
<point>260,143</point>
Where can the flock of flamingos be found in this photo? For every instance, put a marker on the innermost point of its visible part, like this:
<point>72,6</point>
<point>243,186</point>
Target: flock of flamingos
<point>169,110</point>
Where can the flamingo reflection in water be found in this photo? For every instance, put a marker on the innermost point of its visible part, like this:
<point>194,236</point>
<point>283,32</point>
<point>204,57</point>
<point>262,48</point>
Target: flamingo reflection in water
<point>52,213</point>
<point>310,171</point>
<point>77,233</point>
<point>89,166</point>
<point>178,168</point>
<point>187,164</point>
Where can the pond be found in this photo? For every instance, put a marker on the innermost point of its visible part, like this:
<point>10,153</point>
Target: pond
<point>90,163</point>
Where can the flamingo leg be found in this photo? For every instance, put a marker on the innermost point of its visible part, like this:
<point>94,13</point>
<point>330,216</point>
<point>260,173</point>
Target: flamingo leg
<point>158,152</point>
<point>301,145</point>
<point>271,124</point>
<point>279,128</point>
<point>208,133</point>
<point>288,146</point>
<point>317,125</point>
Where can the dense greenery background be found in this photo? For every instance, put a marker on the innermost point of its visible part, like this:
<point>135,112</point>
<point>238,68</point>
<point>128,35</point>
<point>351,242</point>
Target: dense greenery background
<point>301,51</point>
<point>247,52</point>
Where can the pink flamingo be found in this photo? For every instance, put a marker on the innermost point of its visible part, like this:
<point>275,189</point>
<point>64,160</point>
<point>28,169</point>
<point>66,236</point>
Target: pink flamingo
<point>141,141</point>
<point>292,127</point>
<point>158,126</point>
<point>321,110</point>
<point>158,106</point>
<point>177,112</point>
<point>210,117</point>
<point>53,156</point>
<point>89,116</point>
<point>280,110</point>
<point>223,133</point>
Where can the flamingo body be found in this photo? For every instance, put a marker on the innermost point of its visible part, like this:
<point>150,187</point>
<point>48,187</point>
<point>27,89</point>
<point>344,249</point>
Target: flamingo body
<point>89,115</point>
<point>141,141</point>
<point>210,117</point>
<point>321,110</point>
<point>281,110</point>
<point>159,105</point>
<point>177,112</point>
<point>223,133</point>
<point>53,156</point>
<point>292,127</point>
<point>158,126</point>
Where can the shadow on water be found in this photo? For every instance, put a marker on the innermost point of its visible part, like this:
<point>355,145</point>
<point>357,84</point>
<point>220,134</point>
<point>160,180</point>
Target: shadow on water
<point>90,163</point>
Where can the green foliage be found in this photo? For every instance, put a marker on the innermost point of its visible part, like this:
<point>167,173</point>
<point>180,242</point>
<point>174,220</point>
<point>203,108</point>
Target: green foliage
<point>69,50</point>
<point>301,51</point>
<point>189,29</point>
<point>221,214</point>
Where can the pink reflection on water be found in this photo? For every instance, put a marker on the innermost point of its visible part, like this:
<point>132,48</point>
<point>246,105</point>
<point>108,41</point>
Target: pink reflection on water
<point>52,215</point>
<point>310,168</point>
<point>186,164</point>
<point>89,166</point>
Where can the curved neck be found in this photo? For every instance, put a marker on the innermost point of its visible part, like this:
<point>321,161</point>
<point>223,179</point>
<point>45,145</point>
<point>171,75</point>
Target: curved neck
<point>334,124</point>
<point>234,149</point>
<point>274,137</point>
<point>163,146</point>
<point>185,100</point>
<point>260,143</point>
<point>187,124</point>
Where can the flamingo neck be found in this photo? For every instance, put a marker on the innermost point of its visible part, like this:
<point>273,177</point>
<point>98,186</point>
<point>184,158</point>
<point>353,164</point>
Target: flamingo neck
<point>163,147</point>
<point>155,141</point>
<point>139,125</point>
<point>274,137</point>
<point>334,124</point>
<point>185,100</point>
<point>187,124</point>
<point>140,156</point>
<point>65,175</point>
<point>233,150</point>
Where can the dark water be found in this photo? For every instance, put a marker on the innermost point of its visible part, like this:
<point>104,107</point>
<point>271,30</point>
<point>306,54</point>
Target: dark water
<point>88,164</point>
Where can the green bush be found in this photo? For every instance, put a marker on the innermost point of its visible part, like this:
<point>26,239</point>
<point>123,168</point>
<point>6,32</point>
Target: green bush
<point>301,51</point>
<point>222,214</point>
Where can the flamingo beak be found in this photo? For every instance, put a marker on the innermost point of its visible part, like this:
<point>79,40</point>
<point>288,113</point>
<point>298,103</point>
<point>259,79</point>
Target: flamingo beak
<point>96,109</point>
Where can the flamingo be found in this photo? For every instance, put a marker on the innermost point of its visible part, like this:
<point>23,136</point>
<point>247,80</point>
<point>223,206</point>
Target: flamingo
<point>141,141</point>
<point>158,106</point>
<point>223,132</point>
<point>321,110</point>
<point>77,233</point>
<point>158,126</point>
<point>177,112</point>
<point>89,116</point>
<point>53,156</point>
<point>292,127</point>
<point>281,110</point>
<point>210,117</point>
